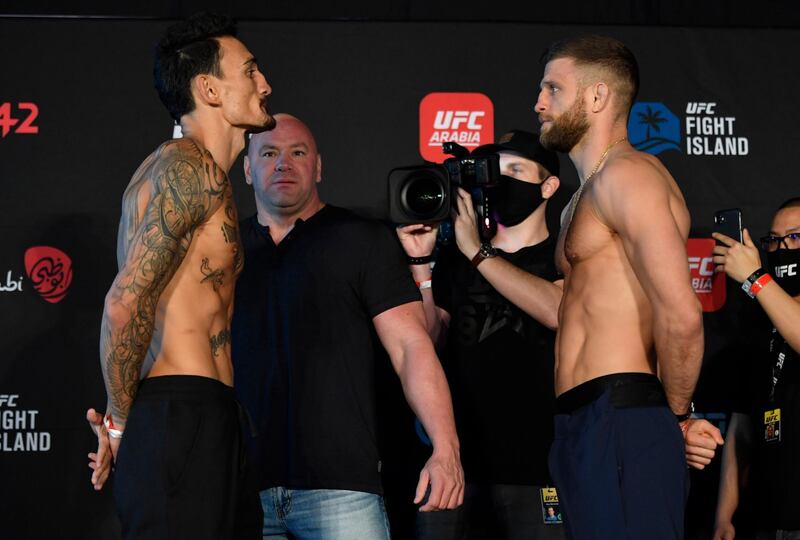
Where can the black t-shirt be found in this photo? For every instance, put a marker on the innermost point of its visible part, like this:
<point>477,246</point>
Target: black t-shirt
<point>775,468</point>
<point>303,347</point>
<point>499,363</point>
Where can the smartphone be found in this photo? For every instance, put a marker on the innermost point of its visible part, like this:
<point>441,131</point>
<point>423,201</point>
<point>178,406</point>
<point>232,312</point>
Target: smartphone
<point>729,223</point>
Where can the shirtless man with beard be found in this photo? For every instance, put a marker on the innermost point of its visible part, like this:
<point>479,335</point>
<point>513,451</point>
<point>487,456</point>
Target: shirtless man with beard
<point>630,337</point>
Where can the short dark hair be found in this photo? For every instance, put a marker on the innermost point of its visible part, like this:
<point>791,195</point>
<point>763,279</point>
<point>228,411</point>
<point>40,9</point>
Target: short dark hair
<point>606,53</point>
<point>790,203</point>
<point>188,49</point>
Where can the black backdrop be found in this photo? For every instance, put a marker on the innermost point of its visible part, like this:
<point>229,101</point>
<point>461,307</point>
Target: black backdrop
<point>359,86</point>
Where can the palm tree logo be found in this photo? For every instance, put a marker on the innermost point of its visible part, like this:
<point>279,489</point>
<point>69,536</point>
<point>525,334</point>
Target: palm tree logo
<point>653,128</point>
<point>651,119</point>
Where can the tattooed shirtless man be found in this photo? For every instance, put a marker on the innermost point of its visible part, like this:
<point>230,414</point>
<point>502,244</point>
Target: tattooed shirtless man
<point>165,335</point>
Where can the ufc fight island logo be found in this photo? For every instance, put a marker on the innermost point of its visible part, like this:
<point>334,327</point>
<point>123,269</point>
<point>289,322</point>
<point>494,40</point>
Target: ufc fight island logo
<point>654,128</point>
<point>708,286</point>
<point>459,117</point>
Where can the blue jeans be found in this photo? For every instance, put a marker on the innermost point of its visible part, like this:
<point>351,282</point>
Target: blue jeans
<point>323,514</point>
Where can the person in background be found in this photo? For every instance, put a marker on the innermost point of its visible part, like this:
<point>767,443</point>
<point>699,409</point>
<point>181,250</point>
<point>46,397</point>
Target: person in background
<point>763,440</point>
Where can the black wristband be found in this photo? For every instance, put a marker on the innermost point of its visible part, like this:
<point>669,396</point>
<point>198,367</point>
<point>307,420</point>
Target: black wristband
<point>757,273</point>
<point>420,260</point>
<point>685,416</point>
<point>747,284</point>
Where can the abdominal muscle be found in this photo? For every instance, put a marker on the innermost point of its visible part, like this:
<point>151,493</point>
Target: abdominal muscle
<point>605,320</point>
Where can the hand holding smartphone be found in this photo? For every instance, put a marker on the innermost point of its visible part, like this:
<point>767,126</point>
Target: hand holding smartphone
<point>729,223</point>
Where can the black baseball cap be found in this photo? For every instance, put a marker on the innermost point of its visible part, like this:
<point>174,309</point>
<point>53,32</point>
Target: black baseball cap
<point>524,144</point>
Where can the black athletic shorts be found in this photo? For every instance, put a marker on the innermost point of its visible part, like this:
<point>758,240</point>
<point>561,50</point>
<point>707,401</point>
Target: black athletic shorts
<point>180,470</point>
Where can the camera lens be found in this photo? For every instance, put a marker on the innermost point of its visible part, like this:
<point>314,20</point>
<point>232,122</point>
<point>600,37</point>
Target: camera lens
<point>423,195</point>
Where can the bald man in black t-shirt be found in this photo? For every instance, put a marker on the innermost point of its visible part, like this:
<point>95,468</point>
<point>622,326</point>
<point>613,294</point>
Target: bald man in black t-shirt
<point>317,281</point>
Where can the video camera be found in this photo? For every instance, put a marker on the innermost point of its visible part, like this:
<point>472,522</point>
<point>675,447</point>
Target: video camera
<point>427,193</point>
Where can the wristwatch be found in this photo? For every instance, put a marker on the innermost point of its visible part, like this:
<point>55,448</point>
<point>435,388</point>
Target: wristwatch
<point>487,251</point>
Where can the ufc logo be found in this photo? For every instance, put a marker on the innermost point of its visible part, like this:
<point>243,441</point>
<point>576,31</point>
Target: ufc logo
<point>9,400</point>
<point>454,119</point>
<point>699,107</point>
<point>786,270</point>
<point>703,265</point>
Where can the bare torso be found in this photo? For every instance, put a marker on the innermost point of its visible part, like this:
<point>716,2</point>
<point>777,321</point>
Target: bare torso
<point>605,318</point>
<point>193,313</point>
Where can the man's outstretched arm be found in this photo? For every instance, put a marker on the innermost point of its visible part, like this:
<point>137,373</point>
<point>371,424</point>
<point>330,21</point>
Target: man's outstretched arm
<point>402,332</point>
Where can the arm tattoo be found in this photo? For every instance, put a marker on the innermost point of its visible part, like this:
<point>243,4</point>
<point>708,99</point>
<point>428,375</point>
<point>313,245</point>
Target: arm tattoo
<point>183,197</point>
<point>219,341</point>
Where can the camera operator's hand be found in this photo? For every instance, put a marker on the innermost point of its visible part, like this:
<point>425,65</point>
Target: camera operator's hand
<point>465,225</point>
<point>418,240</point>
<point>735,259</point>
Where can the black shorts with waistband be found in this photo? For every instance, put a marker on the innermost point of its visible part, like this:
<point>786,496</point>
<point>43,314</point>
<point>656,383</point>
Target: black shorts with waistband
<point>180,470</point>
<point>625,390</point>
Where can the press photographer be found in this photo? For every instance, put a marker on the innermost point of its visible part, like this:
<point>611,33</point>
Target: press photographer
<point>492,304</point>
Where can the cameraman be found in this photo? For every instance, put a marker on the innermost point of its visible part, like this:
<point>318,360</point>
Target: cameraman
<point>764,435</point>
<point>495,305</point>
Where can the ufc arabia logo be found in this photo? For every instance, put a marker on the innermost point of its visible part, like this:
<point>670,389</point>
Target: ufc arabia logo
<point>458,117</point>
<point>786,270</point>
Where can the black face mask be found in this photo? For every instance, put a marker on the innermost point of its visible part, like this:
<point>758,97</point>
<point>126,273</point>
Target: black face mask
<point>784,265</point>
<point>515,200</point>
